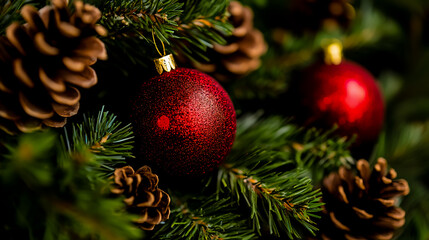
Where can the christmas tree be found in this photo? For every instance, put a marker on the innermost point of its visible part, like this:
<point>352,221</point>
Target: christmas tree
<point>216,119</point>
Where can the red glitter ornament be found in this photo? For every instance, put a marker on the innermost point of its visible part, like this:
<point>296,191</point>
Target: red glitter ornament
<point>345,94</point>
<point>184,121</point>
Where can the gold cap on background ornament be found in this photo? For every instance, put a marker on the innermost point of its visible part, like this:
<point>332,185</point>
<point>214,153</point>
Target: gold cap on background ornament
<point>333,51</point>
<point>165,63</point>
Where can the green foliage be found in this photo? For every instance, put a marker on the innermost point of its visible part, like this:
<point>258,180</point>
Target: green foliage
<point>107,138</point>
<point>202,24</point>
<point>320,151</point>
<point>187,27</point>
<point>206,219</point>
<point>137,19</point>
<point>276,193</point>
<point>266,171</point>
<point>271,133</point>
<point>49,193</point>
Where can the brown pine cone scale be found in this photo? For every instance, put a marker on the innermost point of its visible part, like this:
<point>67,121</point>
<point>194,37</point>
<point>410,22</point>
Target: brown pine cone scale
<point>142,195</point>
<point>44,61</point>
<point>362,205</point>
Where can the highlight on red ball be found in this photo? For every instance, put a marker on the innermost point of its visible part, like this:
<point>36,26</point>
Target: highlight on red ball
<point>346,95</point>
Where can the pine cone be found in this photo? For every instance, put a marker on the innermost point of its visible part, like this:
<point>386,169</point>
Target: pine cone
<point>314,15</point>
<point>142,195</point>
<point>44,60</point>
<point>241,54</point>
<point>362,206</point>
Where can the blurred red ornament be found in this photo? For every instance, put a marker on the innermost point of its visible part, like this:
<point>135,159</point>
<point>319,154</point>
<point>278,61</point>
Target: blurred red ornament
<point>344,94</point>
<point>184,121</point>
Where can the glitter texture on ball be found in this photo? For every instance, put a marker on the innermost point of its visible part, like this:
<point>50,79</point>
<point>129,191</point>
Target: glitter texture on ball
<point>184,121</point>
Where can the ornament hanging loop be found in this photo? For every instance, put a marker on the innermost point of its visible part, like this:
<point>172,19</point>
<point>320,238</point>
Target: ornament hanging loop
<point>156,46</point>
<point>333,50</point>
<point>165,62</point>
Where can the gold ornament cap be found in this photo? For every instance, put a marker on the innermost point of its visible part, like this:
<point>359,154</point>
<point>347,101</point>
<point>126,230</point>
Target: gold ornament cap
<point>333,52</point>
<point>165,63</point>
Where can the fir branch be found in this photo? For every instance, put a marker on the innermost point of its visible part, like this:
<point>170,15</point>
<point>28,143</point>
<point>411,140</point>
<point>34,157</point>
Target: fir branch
<point>278,195</point>
<point>272,180</point>
<point>107,138</point>
<point>185,28</point>
<point>271,133</point>
<point>203,23</point>
<point>94,222</point>
<point>206,219</point>
<point>140,18</point>
<point>314,149</point>
<point>52,194</point>
<point>321,151</point>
